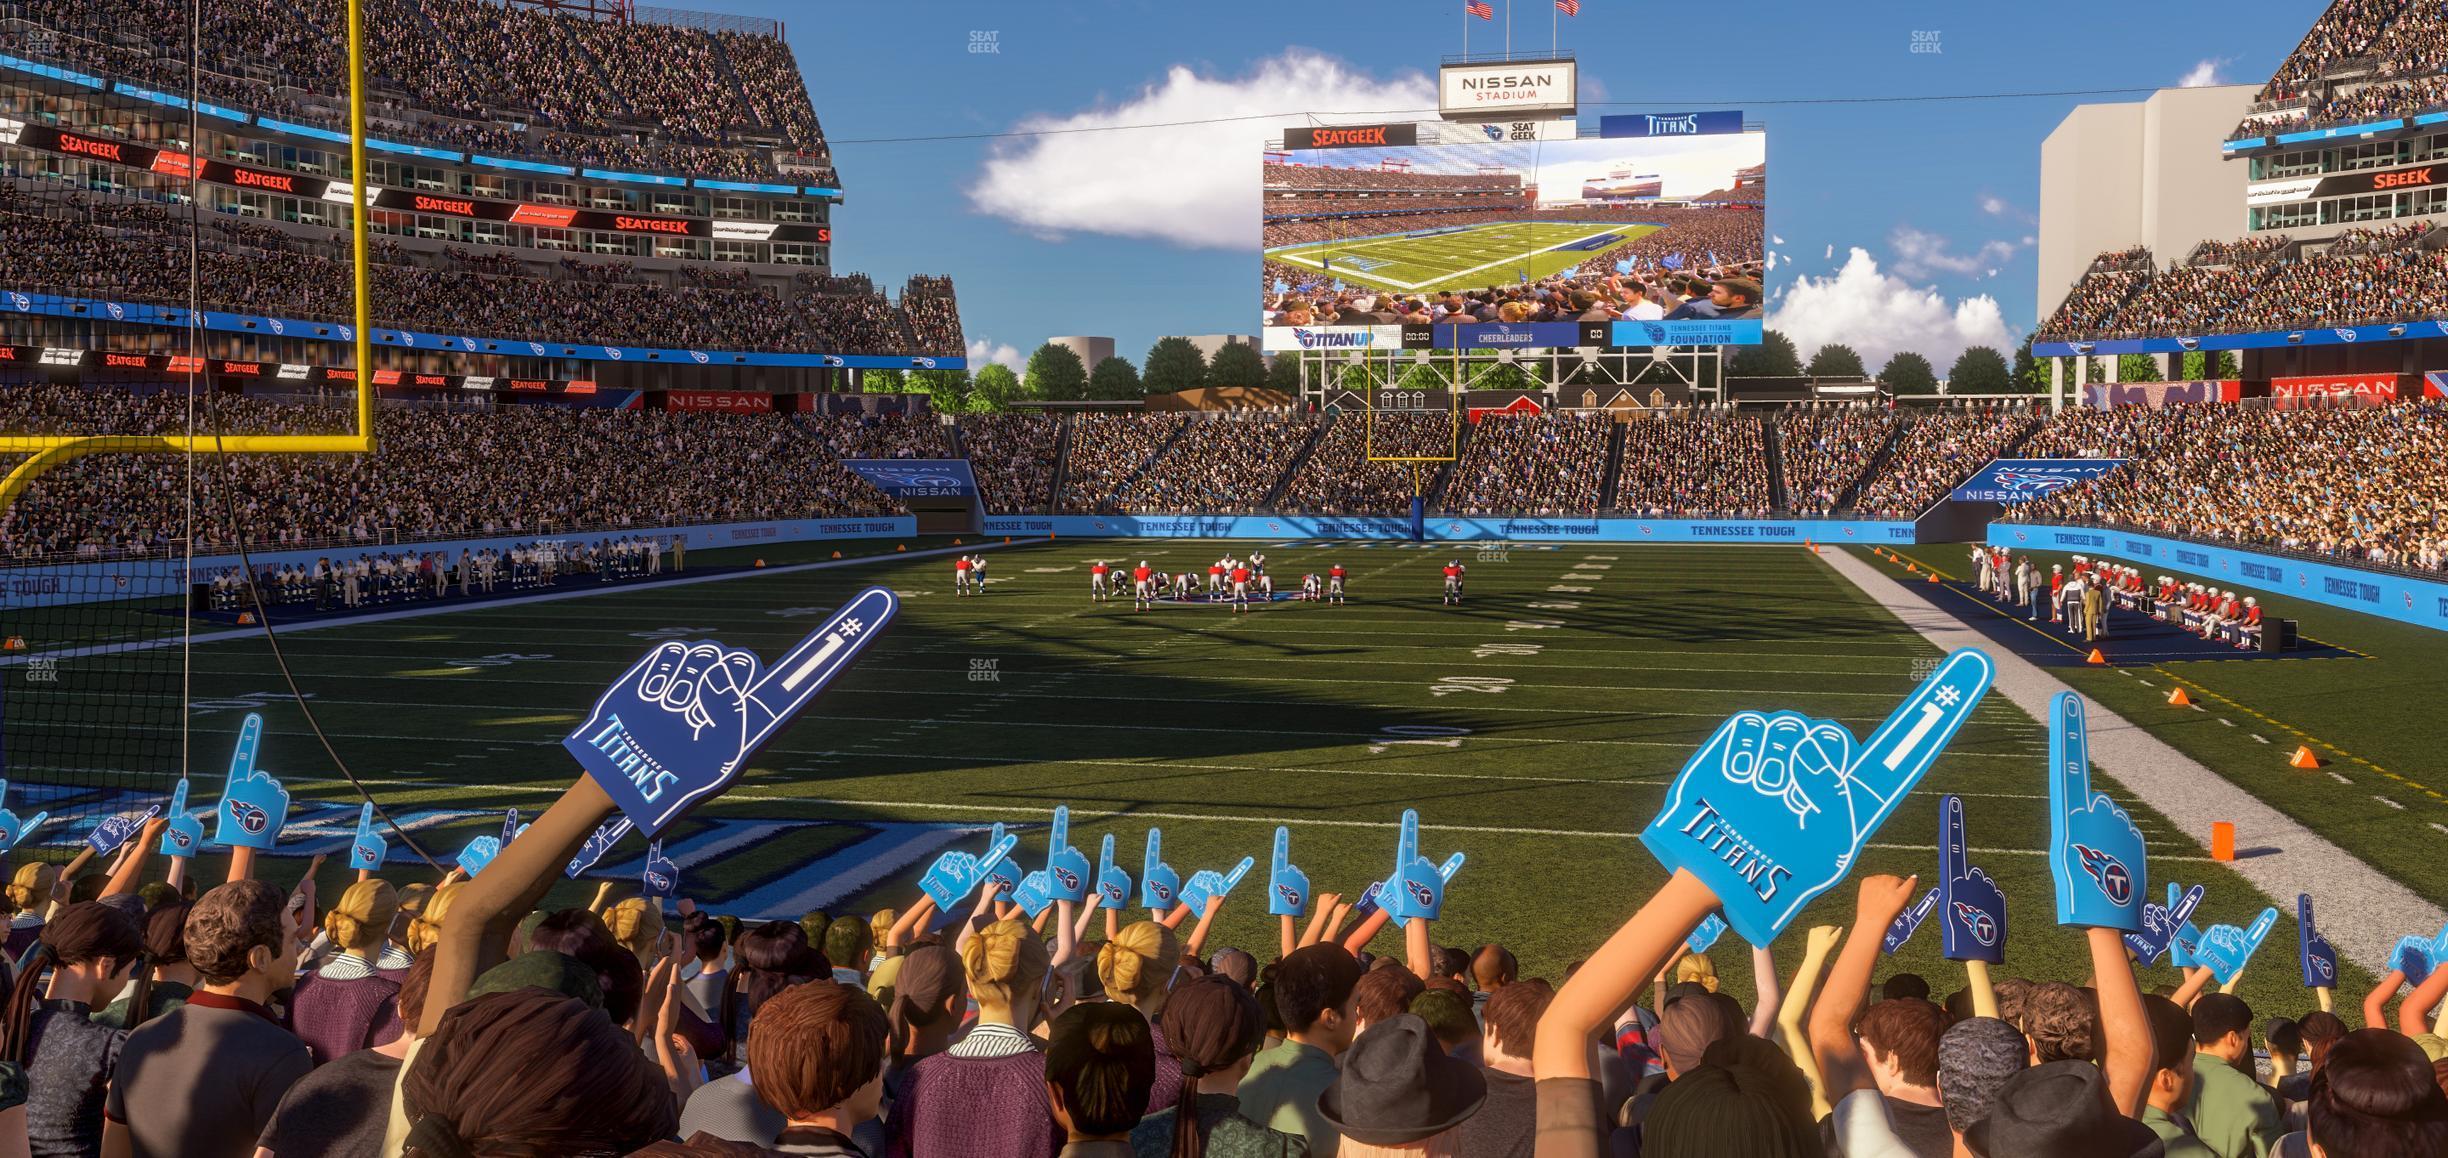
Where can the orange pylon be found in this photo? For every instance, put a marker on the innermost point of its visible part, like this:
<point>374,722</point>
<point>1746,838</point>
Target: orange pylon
<point>900,546</point>
<point>2178,699</point>
<point>2222,840</point>
<point>837,554</point>
<point>2095,658</point>
<point>2303,758</point>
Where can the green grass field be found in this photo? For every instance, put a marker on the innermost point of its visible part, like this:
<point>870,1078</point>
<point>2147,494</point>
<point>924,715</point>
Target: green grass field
<point>1533,728</point>
<point>1497,254</point>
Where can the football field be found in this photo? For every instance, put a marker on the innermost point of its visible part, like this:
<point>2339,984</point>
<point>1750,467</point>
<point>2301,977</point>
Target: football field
<point>1496,254</point>
<point>1535,728</point>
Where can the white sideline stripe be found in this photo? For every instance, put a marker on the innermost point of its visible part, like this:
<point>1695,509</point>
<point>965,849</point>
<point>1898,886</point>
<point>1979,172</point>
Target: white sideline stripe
<point>444,608</point>
<point>2187,793</point>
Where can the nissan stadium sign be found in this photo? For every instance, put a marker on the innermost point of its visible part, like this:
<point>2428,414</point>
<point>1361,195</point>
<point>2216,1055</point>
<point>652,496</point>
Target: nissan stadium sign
<point>1507,89</point>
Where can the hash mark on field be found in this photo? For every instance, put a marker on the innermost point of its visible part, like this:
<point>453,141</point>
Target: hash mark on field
<point>2438,827</point>
<point>2222,719</point>
<point>2391,803</point>
<point>2340,777</point>
<point>2258,736</point>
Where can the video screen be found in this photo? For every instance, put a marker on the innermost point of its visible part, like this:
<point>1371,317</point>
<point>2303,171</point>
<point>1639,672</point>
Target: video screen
<point>1420,236</point>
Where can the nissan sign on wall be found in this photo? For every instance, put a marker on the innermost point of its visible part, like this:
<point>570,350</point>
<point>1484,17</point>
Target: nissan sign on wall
<point>1481,91</point>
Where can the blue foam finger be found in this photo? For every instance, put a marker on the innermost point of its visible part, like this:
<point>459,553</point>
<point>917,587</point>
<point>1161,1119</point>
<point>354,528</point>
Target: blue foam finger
<point>598,843</point>
<point>955,874</point>
<point>2184,949</point>
<point>1034,894</point>
<point>1202,885</point>
<point>1909,921</point>
<point>1066,867</point>
<point>681,724</point>
<point>1445,875</point>
<point>1287,885</point>
<point>2095,852</point>
<point>1711,928</point>
<point>113,831</point>
<point>254,806</point>
<point>14,830</point>
<point>479,853</point>
<point>2412,957</point>
<point>1159,885</point>
<point>2314,955</point>
<point>1004,873</point>
<point>184,834</point>
<point>2161,922</point>
<point>1113,881</point>
<point>2227,949</point>
<point>662,877</point>
<point>1971,907</point>
<point>1774,808</point>
<point>367,848</point>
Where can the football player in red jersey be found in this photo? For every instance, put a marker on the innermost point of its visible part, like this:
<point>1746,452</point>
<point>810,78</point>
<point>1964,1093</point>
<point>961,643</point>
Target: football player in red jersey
<point>1099,589</point>
<point>1143,585</point>
<point>1334,584</point>
<point>1240,588</point>
<point>961,575</point>
<point>1453,582</point>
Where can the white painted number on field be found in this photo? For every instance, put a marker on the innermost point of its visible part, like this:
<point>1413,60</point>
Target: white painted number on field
<point>1448,685</point>
<point>497,659</point>
<point>1554,605</point>
<point>1521,649</point>
<point>250,702</point>
<point>1425,735</point>
<point>1532,624</point>
<point>673,632</point>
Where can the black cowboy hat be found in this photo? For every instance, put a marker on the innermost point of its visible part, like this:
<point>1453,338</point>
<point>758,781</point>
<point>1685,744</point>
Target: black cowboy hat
<point>2060,1108</point>
<point>1398,1086</point>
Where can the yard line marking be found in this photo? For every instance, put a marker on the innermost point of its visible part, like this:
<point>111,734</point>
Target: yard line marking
<point>2391,803</point>
<point>2340,777</point>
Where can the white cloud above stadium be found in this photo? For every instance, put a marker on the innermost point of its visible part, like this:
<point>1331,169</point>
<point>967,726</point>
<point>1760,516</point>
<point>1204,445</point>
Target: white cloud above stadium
<point>1880,315</point>
<point>1189,184</point>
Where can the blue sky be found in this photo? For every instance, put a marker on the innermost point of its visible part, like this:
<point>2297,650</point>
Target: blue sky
<point>1143,233</point>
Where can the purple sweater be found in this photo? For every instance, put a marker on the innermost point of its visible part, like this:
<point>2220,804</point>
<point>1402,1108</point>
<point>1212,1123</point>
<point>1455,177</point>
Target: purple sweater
<point>338,1017</point>
<point>954,1106</point>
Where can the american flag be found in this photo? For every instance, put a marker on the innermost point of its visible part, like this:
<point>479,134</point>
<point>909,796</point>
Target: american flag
<point>1480,8</point>
<point>1569,7</point>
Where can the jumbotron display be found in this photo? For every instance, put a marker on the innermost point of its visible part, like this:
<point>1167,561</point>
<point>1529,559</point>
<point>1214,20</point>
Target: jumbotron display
<point>1515,235</point>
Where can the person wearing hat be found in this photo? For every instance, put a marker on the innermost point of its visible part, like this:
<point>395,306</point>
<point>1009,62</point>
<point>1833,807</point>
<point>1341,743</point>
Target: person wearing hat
<point>1400,1094</point>
<point>1213,1027</point>
<point>2056,1109</point>
<point>1313,995</point>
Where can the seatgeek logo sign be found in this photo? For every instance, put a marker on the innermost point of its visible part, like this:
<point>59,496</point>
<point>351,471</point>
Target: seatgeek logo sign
<point>2020,480</point>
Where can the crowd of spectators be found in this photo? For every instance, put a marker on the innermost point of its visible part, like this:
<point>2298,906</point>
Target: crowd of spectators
<point>1340,478</point>
<point>2368,485</point>
<point>623,93</point>
<point>1531,465</point>
<point>1595,296</point>
<point>879,435</point>
<point>1222,463</point>
<point>1934,451</point>
<point>1694,463</point>
<point>1825,450</point>
<point>1107,451</point>
<point>438,473</point>
<point>2362,60</point>
<point>1297,178</point>
<point>2365,276</point>
<point>123,250</point>
<point>1012,456</point>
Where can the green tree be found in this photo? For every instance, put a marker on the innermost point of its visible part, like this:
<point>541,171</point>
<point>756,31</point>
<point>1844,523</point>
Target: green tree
<point>2204,364</point>
<point>1910,373</point>
<point>1774,357</point>
<point>1836,360</point>
<point>1055,375</point>
<point>1236,365</point>
<point>880,381</point>
<point>1114,380</point>
<point>1173,364</point>
<point>2031,374</point>
<point>993,389</point>
<point>947,390</point>
<point>1420,377</point>
<point>1981,370</point>
<point>2138,368</point>
<point>1285,374</point>
<point>1502,376</point>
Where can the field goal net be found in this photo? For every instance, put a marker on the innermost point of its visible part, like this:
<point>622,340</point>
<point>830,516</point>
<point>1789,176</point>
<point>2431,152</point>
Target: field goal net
<point>161,345</point>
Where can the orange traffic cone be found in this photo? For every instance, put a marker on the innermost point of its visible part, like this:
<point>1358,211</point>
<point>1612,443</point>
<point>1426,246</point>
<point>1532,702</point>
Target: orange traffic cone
<point>956,542</point>
<point>2222,840</point>
<point>1933,577</point>
<point>246,619</point>
<point>1912,568</point>
<point>15,643</point>
<point>2095,658</point>
<point>760,562</point>
<point>1007,539</point>
<point>837,554</point>
<point>2303,758</point>
<point>2178,699</point>
<point>900,546</point>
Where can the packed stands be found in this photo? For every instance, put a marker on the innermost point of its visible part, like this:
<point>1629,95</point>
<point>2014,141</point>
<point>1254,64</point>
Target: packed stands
<point>1338,477</point>
<point>878,435</point>
<point>1223,462</point>
<point>1106,451</point>
<point>2357,484</point>
<point>2362,277</point>
<point>1935,451</point>
<point>124,250</point>
<point>1012,456</point>
<point>1826,450</point>
<point>619,93</point>
<point>439,473</point>
<point>1694,464</point>
<point>1542,465</point>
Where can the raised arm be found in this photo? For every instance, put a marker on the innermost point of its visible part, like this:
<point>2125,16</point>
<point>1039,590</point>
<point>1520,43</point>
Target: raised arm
<point>2375,1003</point>
<point>1841,1070</point>
<point>1766,995</point>
<point>477,934</point>
<point>1797,1006</point>
<point>129,874</point>
<point>2414,1014</point>
<point>1614,974</point>
<point>2130,1059</point>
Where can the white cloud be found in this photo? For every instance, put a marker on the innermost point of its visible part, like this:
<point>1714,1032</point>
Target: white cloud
<point>1994,205</point>
<point>2203,74</point>
<point>1922,254</point>
<point>1830,255</point>
<point>1880,314</point>
<point>985,350</point>
<point>1193,185</point>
